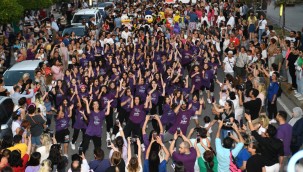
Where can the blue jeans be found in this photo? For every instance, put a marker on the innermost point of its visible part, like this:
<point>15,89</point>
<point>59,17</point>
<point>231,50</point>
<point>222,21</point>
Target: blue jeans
<point>260,34</point>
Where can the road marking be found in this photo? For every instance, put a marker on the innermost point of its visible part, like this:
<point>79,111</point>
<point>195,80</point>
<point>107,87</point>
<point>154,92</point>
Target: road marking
<point>289,112</point>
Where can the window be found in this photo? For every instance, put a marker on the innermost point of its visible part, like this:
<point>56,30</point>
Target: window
<point>12,77</point>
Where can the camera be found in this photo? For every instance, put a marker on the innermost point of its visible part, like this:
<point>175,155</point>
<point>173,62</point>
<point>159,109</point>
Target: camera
<point>247,111</point>
<point>152,116</point>
<point>155,136</point>
<point>226,120</point>
<point>198,138</point>
<point>80,151</point>
<point>51,133</point>
<point>223,91</point>
<point>133,140</point>
<point>108,143</point>
<point>178,130</point>
<point>240,87</point>
<point>229,134</point>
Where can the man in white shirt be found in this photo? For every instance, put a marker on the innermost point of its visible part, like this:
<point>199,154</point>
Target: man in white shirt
<point>108,40</point>
<point>220,19</point>
<point>231,21</point>
<point>125,35</point>
<point>229,63</point>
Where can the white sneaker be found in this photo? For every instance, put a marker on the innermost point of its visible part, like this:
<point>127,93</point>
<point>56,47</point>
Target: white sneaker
<point>73,146</point>
<point>208,101</point>
<point>272,121</point>
<point>142,147</point>
<point>295,91</point>
<point>298,95</point>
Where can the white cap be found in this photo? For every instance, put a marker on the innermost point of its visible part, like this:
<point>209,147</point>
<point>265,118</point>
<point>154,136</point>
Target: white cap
<point>230,52</point>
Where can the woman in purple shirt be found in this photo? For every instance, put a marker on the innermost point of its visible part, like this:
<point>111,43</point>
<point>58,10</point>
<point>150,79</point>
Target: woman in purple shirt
<point>81,121</point>
<point>94,127</point>
<point>62,124</point>
<point>137,117</point>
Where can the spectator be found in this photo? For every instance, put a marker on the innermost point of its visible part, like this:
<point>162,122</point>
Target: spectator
<point>79,163</point>
<point>33,165</point>
<point>256,160</point>
<point>99,164</point>
<point>253,107</point>
<point>297,130</point>
<point>117,163</point>
<point>46,166</point>
<point>224,151</point>
<point>271,148</point>
<point>46,143</point>
<point>186,154</point>
<point>18,145</point>
<point>133,163</point>
<point>58,161</point>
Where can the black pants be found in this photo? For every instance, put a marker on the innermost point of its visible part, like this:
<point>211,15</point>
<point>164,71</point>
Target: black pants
<point>292,73</point>
<point>109,120</point>
<point>133,130</point>
<point>86,140</point>
<point>76,134</point>
<point>272,109</point>
<point>123,115</point>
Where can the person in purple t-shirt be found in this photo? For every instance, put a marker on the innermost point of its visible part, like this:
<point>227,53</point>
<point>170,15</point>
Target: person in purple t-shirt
<point>94,127</point>
<point>62,124</point>
<point>183,118</point>
<point>284,132</point>
<point>187,153</point>
<point>147,138</point>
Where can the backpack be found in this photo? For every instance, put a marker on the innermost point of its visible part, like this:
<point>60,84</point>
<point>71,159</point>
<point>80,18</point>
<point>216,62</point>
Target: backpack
<point>232,164</point>
<point>279,93</point>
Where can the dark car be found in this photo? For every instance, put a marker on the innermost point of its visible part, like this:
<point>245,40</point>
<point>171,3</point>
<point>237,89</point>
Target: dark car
<point>6,110</point>
<point>80,31</point>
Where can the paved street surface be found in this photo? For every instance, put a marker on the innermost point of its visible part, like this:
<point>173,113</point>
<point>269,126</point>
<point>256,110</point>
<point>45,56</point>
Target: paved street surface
<point>293,16</point>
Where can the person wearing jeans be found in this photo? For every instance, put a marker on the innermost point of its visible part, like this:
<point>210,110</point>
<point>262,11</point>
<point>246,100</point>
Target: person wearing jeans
<point>261,26</point>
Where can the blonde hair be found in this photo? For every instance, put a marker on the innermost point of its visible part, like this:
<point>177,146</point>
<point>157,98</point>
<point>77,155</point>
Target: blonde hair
<point>261,88</point>
<point>264,119</point>
<point>45,166</point>
<point>46,141</point>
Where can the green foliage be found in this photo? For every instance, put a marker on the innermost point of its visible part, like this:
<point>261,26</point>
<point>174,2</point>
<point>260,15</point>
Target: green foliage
<point>10,11</point>
<point>35,4</point>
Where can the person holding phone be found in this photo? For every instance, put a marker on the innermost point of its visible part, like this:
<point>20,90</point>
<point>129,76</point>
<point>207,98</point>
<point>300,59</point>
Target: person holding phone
<point>186,154</point>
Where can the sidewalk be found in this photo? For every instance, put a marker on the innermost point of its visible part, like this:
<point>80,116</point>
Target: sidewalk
<point>290,94</point>
<point>293,19</point>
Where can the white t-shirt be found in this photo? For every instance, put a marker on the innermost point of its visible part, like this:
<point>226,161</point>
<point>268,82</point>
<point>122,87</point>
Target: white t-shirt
<point>15,125</point>
<point>44,152</point>
<point>220,19</point>
<point>231,21</point>
<point>229,64</point>
<point>109,41</point>
<point>262,24</point>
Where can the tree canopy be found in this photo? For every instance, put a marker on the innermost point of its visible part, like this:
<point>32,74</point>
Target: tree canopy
<point>10,11</point>
<point>35,4</point>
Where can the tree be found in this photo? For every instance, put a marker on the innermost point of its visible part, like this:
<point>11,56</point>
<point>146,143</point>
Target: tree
<point>10,11</point>
<point>35,4</point>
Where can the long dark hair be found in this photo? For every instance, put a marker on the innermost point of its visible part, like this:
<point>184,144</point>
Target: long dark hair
<point>15,159</point>
<point>55,156</point>
<point>154,161</point>
<point>34,159</point>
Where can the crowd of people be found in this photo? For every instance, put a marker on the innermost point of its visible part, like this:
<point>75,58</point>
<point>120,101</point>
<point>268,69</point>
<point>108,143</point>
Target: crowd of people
<point>143,83</point>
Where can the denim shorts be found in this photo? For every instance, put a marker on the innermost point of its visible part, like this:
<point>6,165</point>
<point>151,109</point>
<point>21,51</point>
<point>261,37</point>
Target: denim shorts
<point>36,140</point>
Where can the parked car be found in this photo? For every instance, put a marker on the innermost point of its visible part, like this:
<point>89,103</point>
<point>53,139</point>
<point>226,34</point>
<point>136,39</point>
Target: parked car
<point>6,110</point>
<point>13,74</point>
<point>80,31</point>
<point>86,14</point>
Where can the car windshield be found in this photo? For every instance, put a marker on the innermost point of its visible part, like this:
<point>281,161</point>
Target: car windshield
<point>78,31</point>
<point>12,77</point>
<point>79,18</point>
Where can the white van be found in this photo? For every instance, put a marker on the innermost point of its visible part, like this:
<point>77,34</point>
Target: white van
<point>86,14</point>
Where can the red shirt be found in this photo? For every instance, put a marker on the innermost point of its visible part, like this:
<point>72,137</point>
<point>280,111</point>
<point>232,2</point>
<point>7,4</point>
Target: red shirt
<point>24,161</point>
<point>236,41</point>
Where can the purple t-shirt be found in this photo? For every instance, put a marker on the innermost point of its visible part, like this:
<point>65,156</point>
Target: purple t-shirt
<point>126,107</point>
<point>137,114</point>
<point>62,123</point>
<point>206,78</point>
<point>284,133</point>
<point>186,57</point>
<point>182,121</point>
<point>188,160</point>
<point>79,121</point>
<point>168,115</point>
<point>155,96</point>
<point>141,91</point>
<point>94,127</point>
<point>104,99</point>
